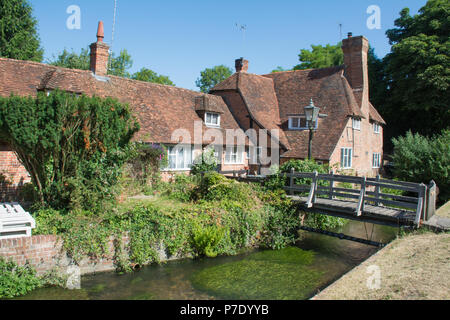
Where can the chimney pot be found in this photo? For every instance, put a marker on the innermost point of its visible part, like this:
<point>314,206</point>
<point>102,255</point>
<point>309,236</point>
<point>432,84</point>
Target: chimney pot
<point>100,32</point>
<point>350,34</point>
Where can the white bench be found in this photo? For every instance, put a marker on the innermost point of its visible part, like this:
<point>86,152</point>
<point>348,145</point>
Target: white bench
<point>14,221</point>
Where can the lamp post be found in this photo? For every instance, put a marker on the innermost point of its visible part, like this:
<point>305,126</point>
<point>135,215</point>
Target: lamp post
<point>312,114</point>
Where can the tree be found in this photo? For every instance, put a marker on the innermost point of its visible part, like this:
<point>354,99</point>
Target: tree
<point>210,77</point>
<point>18,34</point>
<point>421,159</point>
<point>72,60</point>
<point>120,65</point>
<point>279,69</point>
<point>418,71</point>
<point>150,76</point>
<point>73,147</point>
<point>321,57</point>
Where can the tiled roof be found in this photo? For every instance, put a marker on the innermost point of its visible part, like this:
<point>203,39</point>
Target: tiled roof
<point>331,92</point>
<point>374,115</point>
<point>160,109</point>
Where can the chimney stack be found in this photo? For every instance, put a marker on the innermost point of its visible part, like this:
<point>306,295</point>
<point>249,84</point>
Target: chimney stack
<point>99,53</point>
<point>356,51</point>
<point>241,65</point>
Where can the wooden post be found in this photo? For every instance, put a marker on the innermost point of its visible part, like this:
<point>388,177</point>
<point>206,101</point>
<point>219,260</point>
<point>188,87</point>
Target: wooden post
<point>431,201</point>
<point>291,182</point>
<point>420,203</point>
<point>377,191</point>
<point>360,207</point>
<point>331,186</point>
<point>312,192</point>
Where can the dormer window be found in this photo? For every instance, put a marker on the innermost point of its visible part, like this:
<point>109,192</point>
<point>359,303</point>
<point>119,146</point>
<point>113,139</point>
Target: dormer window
<point>212,119</point>
<point>376,127</point>
<point>299,123</point>
<point>356,124</point>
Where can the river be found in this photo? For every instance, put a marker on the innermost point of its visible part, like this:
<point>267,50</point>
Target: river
<point>295,273</point>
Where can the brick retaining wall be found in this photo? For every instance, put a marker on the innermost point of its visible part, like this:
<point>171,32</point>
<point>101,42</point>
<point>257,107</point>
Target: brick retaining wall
<point>45,253</point>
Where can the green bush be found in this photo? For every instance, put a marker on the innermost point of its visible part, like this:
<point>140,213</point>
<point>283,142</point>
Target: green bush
<point>73,147</point>
<point>205,162</point>
<point>420,159</point>
<point>205,239</point>
<point>278,181</point>
<point>16,281</point>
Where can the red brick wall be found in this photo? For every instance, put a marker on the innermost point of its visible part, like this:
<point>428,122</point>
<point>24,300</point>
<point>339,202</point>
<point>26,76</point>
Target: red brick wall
<point>14,175</point>
<point>45,253</point>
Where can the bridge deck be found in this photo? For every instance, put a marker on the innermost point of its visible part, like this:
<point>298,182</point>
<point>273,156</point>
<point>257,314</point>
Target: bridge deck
<point>346,209</point>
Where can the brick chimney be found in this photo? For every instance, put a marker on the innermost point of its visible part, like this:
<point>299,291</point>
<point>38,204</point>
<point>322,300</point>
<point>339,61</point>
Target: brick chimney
<point>355,59</point>
<point>99,53</point>
<point>241,65</point>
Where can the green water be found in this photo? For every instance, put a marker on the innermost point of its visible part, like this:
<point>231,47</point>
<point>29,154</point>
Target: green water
<point>294,273</point>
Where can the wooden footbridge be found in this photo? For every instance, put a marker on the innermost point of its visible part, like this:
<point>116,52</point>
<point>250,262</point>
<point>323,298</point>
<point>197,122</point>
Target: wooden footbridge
<point>372,200</point>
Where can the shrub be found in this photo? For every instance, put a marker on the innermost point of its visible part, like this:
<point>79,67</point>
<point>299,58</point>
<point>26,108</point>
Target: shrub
<point>73,147</point>
<point>421,159</point>
<point>16,281</point>
<point>281,228</point>
<point>205,162</point>
<point>205,239</point>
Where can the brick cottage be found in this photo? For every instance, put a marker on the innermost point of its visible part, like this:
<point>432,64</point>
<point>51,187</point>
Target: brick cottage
<point>350,137</point>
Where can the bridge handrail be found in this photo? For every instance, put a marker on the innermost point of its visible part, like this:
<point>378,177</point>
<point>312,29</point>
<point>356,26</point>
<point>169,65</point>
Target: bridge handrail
<point>416,204</point>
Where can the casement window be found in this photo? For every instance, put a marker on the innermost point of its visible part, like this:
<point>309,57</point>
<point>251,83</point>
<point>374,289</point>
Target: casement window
<point>376,128</point>
<point>180,158</point>
<point>299,123</point>
<point>212,119</point>
<point>234,155</point>
<point>346,158</point>
<point>356,124</point>
<point>376,161</point>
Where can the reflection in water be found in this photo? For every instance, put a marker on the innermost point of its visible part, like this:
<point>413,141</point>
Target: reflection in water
<point>333,258</point>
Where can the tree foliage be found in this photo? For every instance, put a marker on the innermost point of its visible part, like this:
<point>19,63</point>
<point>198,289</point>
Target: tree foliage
<point>418,71</point>
<point>151,76</point>
<point>73,147</point>
<point>18,31</point>
<point>320,57</point>
<point>210,77</point>
<point>421,159</point>
<point>72,60</point>
<point>119,66</point>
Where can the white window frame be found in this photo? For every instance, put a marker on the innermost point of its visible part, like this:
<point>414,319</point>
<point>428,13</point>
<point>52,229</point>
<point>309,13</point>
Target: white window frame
<point>356,124</point>
<point>346,158</point>
<point>376,128</point>
<point>299,127</point>
<point>376,161</point>
<point>173,151</point>
<point>235,152</point>
<point>211,124</point>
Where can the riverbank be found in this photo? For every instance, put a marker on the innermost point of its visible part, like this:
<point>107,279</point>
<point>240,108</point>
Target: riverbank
<point>412,267</point>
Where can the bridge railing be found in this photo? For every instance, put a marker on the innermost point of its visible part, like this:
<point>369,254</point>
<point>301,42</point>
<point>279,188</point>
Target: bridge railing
<point>363,191</point>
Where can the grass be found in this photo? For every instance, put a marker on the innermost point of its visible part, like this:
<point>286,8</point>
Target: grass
<point>413,267</point>
<point>444,211</point>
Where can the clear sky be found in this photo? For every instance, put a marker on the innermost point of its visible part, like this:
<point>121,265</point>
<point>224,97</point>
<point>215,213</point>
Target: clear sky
<point>181,38</point>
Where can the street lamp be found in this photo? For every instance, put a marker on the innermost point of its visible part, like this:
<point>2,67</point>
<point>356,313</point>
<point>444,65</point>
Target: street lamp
<point>312,114</point>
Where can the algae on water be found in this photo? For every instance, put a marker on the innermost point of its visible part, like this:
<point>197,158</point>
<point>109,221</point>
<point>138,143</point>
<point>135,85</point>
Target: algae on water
<point>270,275</point>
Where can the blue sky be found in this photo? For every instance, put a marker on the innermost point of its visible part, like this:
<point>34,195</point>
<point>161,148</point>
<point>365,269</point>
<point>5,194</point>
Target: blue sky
<point>181,38</point>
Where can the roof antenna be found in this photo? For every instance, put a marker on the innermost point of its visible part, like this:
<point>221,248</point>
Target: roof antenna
<point>243,28</point>
<point>112,36</point>
<point>340,31</point>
